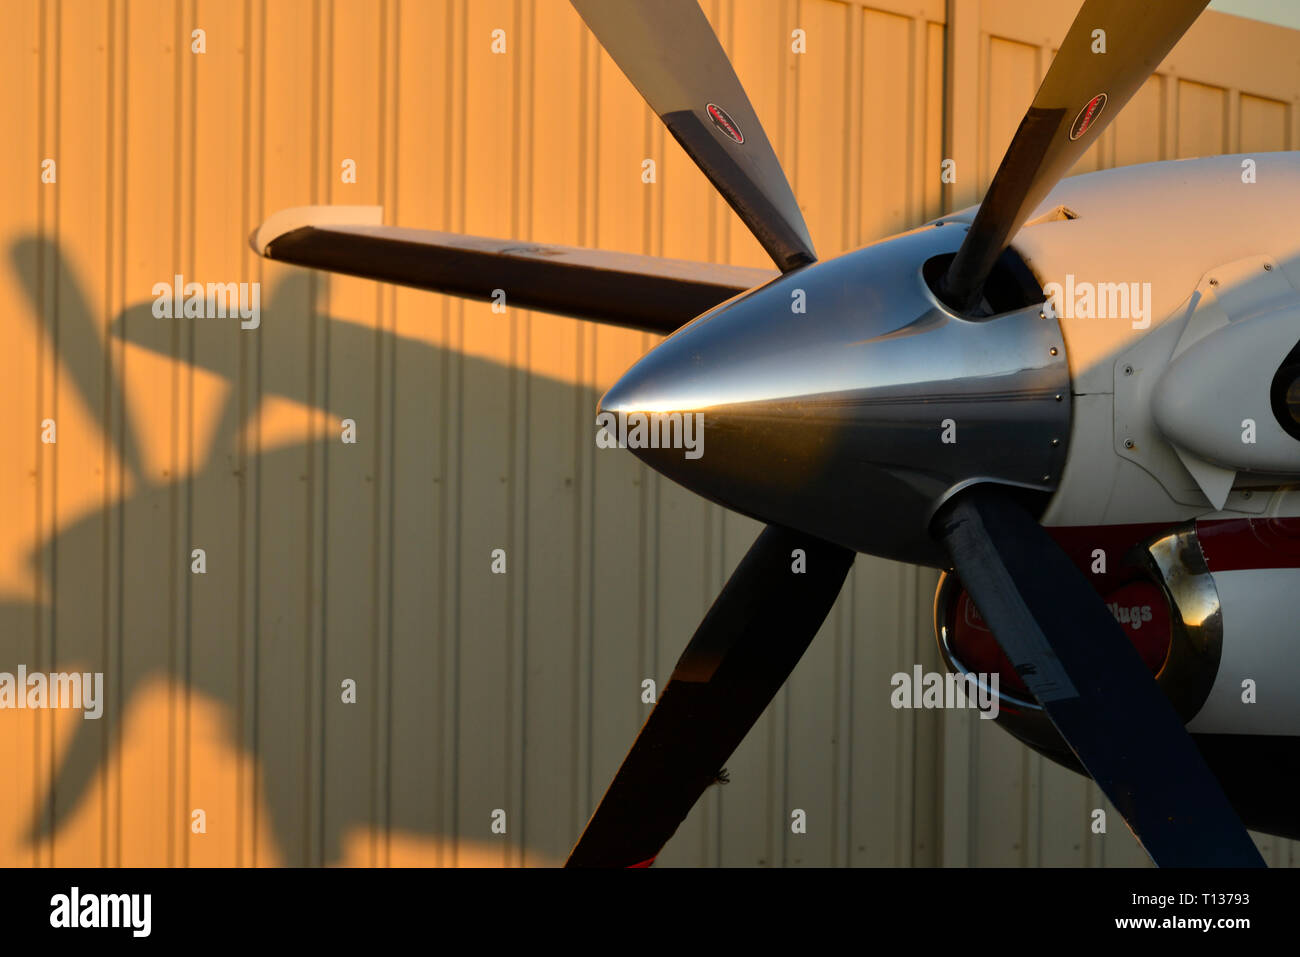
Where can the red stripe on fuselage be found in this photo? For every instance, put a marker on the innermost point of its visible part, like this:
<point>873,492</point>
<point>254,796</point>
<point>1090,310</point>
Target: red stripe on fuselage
<point>1229,544</point>
<point>1240,543</point>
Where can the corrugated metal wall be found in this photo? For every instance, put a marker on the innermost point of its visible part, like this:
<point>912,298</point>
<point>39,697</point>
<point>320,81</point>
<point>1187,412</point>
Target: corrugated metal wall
<point>371,561</point>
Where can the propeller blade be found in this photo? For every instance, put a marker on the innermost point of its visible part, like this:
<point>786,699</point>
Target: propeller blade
<point>1082,92</point>
<point>621,289</point>
<point>1076,660</point>
<point>671,55</point>
<point>739,657</point>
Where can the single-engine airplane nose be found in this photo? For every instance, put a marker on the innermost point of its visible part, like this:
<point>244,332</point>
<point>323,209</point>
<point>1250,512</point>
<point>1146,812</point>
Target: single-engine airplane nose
<point>845,400</point>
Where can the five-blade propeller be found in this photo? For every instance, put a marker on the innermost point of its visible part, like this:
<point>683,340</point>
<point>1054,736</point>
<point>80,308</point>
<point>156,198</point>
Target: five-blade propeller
<point>1049,620</point>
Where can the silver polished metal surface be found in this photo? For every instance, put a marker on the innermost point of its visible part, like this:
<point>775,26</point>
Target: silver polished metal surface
<point>833,421</point>
<point>1177,563</point>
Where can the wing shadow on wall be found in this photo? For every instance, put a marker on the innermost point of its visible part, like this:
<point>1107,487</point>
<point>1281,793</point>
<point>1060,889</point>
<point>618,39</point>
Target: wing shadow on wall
<point>337,788</point>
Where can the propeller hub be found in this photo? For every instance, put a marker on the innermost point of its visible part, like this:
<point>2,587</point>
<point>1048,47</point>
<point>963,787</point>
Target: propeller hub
<point>844,400</point>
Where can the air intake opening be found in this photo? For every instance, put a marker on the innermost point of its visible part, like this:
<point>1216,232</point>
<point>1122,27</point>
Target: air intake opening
<point>1010,286</point>
<point>1285,393</point>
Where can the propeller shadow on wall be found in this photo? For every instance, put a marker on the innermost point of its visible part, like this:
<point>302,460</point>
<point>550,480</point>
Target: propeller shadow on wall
<point>151,647</point>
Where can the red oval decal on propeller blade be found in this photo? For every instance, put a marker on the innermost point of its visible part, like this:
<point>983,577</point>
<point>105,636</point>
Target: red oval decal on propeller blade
<point>1087,116</point>
<point>725,123</point>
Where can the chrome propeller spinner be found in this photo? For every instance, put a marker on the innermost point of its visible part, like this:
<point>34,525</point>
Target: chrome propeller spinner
<point>847,384</point>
